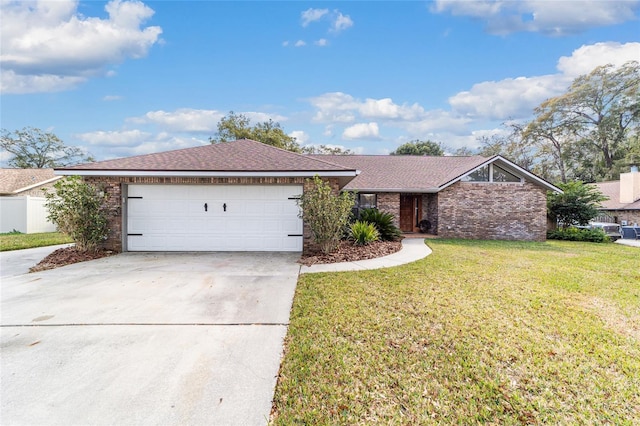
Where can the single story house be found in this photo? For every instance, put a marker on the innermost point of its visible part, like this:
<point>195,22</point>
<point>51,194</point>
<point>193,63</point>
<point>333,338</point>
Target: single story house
<point>623,205</point>
<point>22,202</point>
<point>241,196</point>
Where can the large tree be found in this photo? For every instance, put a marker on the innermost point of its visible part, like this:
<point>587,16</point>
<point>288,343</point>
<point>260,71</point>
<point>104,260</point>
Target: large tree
<point>592,122</point>
<point>33,148</point>
<point>418,147</point>
<point>238,126</point>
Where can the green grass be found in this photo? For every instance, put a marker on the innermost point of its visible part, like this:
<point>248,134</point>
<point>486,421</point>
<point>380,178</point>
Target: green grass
<point>478,332</point>
<point>17,241</point>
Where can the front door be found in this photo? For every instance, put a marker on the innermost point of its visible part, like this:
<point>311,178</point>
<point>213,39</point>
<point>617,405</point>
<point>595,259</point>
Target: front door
<point>410,212</point>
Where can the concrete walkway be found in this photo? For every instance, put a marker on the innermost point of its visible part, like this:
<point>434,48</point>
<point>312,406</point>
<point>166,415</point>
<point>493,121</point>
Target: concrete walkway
<point>18,262</point>
<point>631,243</point>
<point>412,249</point>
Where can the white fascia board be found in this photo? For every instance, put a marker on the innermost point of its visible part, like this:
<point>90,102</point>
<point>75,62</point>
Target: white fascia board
<point>400,190</point>
<point>140,173</point>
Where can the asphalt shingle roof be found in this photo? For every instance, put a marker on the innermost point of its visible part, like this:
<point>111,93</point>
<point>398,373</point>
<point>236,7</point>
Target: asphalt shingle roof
<point>12,180</point>
<point>238,156</point>
<point>611,189</point>
<point>403,173</point>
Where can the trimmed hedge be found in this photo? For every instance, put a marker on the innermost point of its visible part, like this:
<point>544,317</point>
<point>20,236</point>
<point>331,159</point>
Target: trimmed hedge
<point>577,234</point>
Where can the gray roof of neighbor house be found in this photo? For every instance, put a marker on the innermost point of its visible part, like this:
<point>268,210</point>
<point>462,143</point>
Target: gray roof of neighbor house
<point>238,156</point>
<point>408,173</point>
<point>611,189</point>
<point>15,181</point>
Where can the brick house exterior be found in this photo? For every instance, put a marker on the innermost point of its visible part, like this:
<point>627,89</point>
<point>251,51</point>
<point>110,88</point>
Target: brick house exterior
<point>460,197</point>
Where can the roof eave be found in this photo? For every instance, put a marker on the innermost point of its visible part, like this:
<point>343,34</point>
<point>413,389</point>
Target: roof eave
<point>193,173</point>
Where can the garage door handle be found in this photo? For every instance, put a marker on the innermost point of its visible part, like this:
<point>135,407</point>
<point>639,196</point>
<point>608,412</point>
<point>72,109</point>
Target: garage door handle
<point>205,207</point>
<point>224,207</point>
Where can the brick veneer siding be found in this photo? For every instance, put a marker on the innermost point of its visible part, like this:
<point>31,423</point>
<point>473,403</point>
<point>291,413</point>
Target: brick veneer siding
<point>390,202</point>
<point>113,187</point>
<point>492,211</point>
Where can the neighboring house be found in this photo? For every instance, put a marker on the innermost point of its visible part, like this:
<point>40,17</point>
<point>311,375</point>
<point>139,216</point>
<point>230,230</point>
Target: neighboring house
<point>22,200</point>
<point>242,196</point>
<point>623,205</point>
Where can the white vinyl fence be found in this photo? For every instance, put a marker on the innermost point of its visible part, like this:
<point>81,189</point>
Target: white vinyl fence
<point>25,214</point>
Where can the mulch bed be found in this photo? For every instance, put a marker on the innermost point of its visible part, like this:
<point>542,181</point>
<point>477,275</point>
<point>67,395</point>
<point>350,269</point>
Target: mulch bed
<point>349,252</point>
<point>67,256</point>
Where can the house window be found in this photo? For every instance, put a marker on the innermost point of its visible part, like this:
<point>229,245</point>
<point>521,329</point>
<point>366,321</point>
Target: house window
<point>364,201</point>
<point>491,173</point>
<point>480,175</point>
<point>501,175</point>
<point>367,201</point>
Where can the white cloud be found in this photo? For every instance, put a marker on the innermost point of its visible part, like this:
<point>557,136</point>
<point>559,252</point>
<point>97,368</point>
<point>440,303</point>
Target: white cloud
<point>300,43</point>
<point>554,18</point>
<point>362,131</point>
<point>124,138</point>
<point>511,97</point>
<point>584,59</point>
<point>48,46</point>
<point>183,120</point>
<point>343,108</point>
<point>263,116</point>
<point>312,15</point>
<point>517,97</point>
<point>109,98</point>
<point>341,22</point>
<point>285,43</point>
<point>301,136</point>
<point>321,42</point>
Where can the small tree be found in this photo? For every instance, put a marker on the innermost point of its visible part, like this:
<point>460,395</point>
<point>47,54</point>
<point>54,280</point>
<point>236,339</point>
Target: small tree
<point>326,213</point>
<point>577,205</point>
<point>79,210</point>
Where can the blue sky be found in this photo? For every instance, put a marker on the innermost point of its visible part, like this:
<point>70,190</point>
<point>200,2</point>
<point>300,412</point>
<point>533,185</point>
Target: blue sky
<point>124,77</point>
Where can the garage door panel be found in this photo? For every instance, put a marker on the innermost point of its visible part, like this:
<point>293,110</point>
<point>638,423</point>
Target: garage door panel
<point>173,218</point>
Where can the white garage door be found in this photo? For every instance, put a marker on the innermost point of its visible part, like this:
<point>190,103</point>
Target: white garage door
<point>213,218</point>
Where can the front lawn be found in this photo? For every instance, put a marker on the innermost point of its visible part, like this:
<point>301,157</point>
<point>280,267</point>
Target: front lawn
<point>17,241</point>
<point>478,332</point>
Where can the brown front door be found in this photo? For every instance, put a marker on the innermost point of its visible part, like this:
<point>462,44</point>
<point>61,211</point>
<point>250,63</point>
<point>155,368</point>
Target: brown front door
<point>410,212</point>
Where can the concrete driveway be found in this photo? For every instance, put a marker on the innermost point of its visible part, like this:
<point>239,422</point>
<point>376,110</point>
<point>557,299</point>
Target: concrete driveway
<point>139,338</point>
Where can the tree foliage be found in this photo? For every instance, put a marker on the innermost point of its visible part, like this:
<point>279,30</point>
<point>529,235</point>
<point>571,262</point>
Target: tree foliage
<point>79,210</point>
<point>238,126</point>
<point>589,133</point>
<point>577,205</point>
<point>33,148</point>
<point>326,149</point>
<point>326,213</point>
<point>418,147</point>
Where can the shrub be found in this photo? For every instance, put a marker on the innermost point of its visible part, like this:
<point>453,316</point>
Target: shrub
<point>383,222</point>
<point>363,233</point>
<point>577,234</point>
<point>326,213</point>
<point>78,209</point>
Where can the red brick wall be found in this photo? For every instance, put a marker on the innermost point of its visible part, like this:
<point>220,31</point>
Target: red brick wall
<point>390,202</point>
<point>500,211</point>
<point>113,187</point>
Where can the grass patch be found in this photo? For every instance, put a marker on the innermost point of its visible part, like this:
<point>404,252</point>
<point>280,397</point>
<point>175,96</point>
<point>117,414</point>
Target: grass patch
<point>17,241</point>
<point>478,332</point>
